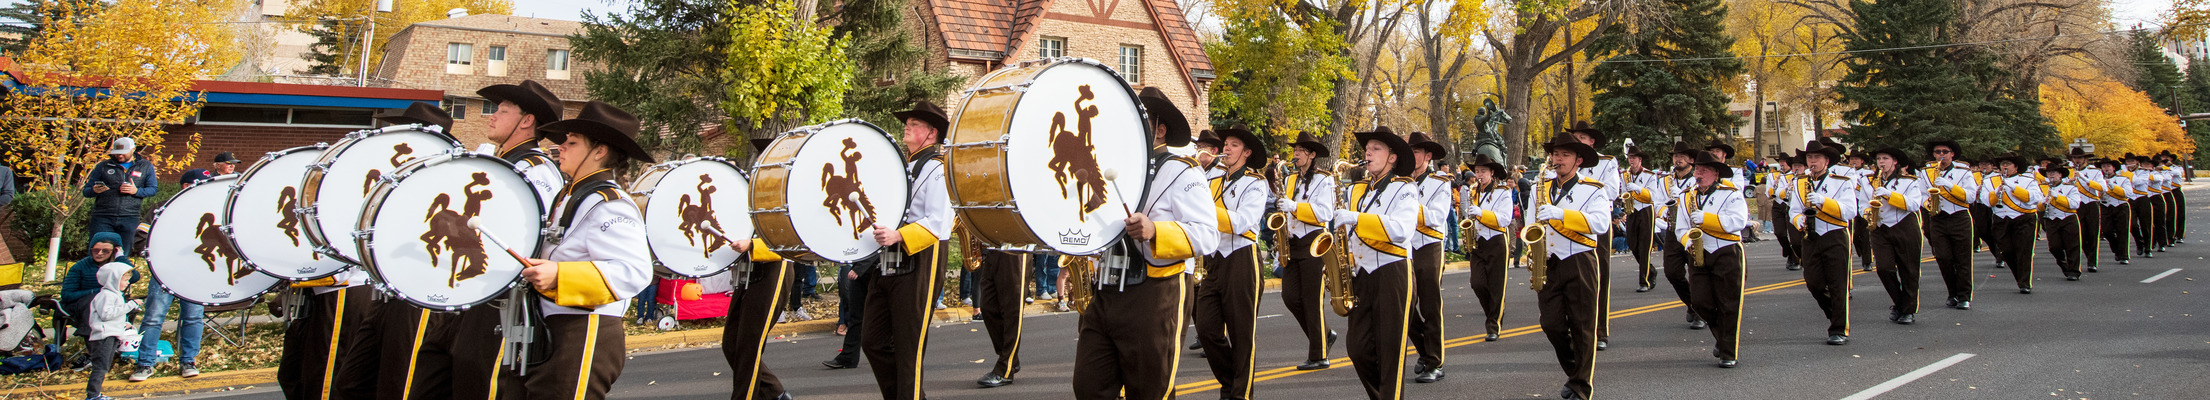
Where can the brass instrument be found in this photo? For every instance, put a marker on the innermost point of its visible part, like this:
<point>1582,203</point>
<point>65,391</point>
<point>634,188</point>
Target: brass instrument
<point>1336,272</point>
<point>1535,235</point>
<point>1279,220</point>
<point>1695,242</point>
<point>1081,273</point>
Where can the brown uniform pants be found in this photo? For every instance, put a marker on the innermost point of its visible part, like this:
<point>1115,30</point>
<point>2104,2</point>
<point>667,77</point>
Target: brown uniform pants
<point>895,324</point>
<point>753,307</point>
<point>1377,326</point>
<point>1426,330</point>
<point>1489,280</point>
<point>1307,300</point>
<point>1569,314</point>
<point>1950,235</point>
<point>2064,243</point>
<point>587,355</point>
<point>1826,275</point>
<point>2144,225</point>
<point>1715,293</point>
<point>2117,224</point>
<point>1640,236</point>
<point>1227,319</point>
<point>1130,340</point>
<point>1000,283</point>
<point>1895,248</point>
<point>2015,239</point>
<point>312,364</point>
<point>2091,228</point>
<point>1676,269</point>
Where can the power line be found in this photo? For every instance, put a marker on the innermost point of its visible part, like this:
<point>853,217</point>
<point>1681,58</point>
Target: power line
<point>1931,46</point>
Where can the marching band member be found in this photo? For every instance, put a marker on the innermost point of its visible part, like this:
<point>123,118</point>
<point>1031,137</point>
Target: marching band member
<point>1127,345</point>
<point>596,261</point>
<point>1823,202</point>
<point>2062,224</point>
<point>1668,192</point>
<point>1603,169</point>
<point>1715,285</point>
<point>459,354</point>
<point>1490,205</point>
<point>1896,232</point>
<point>2092,187</point>
<point>2144,205</point>
<point>1310,200</point>
<point>1426,328</point>
<point>1573,211</point>
<point>1207,144</point>
<point>753,308</point>
<point>1383,214</point>
<point>1982,215</point>
<point>1643,188</point>
<point>1000,285</point>
<point>2179,198</point>
<point>2117,208</point>
<point>2168,174</point>
<point>2014,201</point>
<point>894,334</point>
<point>1784,228</point>
<point>1227,302</point>
<point>1949,227</point>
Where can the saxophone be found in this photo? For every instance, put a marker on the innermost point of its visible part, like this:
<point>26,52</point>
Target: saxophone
<point>1081,273</point>
<point>1535,235</point>
<point>1278,221</point>
<point>1336,272</point>
<point>1695,242</point>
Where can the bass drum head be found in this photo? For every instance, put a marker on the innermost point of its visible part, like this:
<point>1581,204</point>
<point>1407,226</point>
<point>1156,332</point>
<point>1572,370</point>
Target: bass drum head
<point>1076,121</point>
<point>694,209</point>
<point>846,179</point>
<point>192,258</point>
<point>262,211</point>
<point>421,247</point>
<point>352,168</point>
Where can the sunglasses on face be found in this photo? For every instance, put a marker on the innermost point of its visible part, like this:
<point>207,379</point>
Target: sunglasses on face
<point>1941,152</point>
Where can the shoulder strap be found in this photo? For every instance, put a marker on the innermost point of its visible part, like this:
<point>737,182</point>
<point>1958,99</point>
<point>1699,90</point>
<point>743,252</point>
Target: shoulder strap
<point>601,183</point>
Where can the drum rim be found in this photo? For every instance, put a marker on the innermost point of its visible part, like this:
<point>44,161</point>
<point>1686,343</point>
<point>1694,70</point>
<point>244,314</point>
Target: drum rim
<point>670,166</point>
<point>164,208</point>
<point>368,217</point>
<point>1143,194</point>
<point>230,211</point>
<point>803,251</point>
<point>320,168</point>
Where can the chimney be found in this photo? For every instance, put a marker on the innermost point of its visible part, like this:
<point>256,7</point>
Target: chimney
<point>456,13</point>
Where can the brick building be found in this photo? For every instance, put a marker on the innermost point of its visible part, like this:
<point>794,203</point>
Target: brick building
<point>459,55</point>
<point>1148,41</point>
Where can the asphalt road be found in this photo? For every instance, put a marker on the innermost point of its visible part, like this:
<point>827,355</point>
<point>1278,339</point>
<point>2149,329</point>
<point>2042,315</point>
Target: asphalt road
<point>2109,335</point>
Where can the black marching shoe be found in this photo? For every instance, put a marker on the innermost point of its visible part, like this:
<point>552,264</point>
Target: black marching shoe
<point>1964,305</point>
<point>1837,340</point>
<point>2091,268</point>
<point>1726,363</point>
<point>1952,302</point>
<point>1429,376</point>
<point>1792,266</point>
<point>1568,394</point>
<point>1196,345</point>
<point>784,396</point>
<point>1602,344</point>
<point>2025,290</point>
<point>831,364</point>
<point>993,380</point>
<point>2125,262</point>
<point>1644,288</point>
<point>2072,277</point>
<point>1906,319</point>
<point>1697,325</point>
<point>2002,265</point>
<point>1492,337</point>
<point>1331,338</point>
<point>1311,365</point>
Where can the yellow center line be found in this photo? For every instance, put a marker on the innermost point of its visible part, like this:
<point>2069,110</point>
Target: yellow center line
<point>1198,387</point>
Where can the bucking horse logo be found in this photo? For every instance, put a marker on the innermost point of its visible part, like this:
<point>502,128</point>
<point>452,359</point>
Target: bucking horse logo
<point>844,195</point>
<point>213,248</point>
<point>449,230</point>
<point>698,218</point>
<point>400,150</point>
<point>1074,156</point>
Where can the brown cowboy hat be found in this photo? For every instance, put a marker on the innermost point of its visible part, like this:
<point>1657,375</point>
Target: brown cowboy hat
<point>2012,158</point>
<point>1902,160</point>
<point>1422,141</point>
<point>531,96</point>
<point>1496,169</point>
<point>927,112</point>
<point>604,124</point>
<point>1600,138</point>
<point>1209,138</point>
<point>2080,153</point>
<point>1705,160</point>
<point>1683,148</point>
<point>1397,145</point>
<point>1250,141</point>
<point>1832,152</point>
<point>1163,111</point>
<point>424,113</point>
<point>1954,148</point>
<point>1721,146</point>
<point>1566,142</point>
<point>1309,142</point>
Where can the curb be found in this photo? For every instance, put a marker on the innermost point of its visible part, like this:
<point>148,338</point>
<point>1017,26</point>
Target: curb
<point>246,379</point>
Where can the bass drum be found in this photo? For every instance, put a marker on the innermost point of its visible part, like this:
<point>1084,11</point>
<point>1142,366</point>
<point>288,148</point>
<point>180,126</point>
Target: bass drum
<point>1030,148</point>
<point>695,210</point>
<point>858,180</point>
<point>191,256</point>
<point>338,183</point>
<point>264,210</point>
<point>417,241</point>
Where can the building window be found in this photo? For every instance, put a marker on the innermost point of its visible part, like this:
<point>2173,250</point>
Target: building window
<point>249,115</point>
<point>459,58</point>
<point>556,64</point>
<point>1131,63</point>
<point>459,110</point>
<point>489,107</point>
<point>495,61</point>
<point>1049,47</point>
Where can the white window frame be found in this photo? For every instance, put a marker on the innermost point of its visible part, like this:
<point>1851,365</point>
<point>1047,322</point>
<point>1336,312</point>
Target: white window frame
<point>558,58</point>
<point>1131,65</point>
<point>460,58</point>
<point>495,61</point>
<point>1051,46</point>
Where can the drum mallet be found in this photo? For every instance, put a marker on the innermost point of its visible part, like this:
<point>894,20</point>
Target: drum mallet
<point>520,336</point>
<point>743,281</point>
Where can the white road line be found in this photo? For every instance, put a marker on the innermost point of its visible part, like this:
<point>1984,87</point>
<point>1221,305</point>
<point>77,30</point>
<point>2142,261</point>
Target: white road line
<point>1899,381</point>
<point>2160,276</point>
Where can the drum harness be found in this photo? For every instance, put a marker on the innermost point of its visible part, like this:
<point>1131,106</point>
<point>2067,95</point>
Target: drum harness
<point>890,260</point>
<point>1113,268</point>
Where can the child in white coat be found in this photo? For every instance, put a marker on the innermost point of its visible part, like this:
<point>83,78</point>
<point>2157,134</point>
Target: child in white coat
<point>110,321</point>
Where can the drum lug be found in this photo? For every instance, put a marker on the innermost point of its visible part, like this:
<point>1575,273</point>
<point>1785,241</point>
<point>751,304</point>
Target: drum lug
<point>364,234</point>
<point>1001,140</point>
<point>1017,88</point>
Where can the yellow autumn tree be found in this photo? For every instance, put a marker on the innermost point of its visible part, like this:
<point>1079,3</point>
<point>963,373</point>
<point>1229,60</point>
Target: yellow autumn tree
<point>101,72</point>
<point>2115,118</point>
<point>338,24</point>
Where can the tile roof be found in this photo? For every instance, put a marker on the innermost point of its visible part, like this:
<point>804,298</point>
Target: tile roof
<point>1175,26</point>
<point>977,25</point>
<point>495,22</point>
<point>997,27</point>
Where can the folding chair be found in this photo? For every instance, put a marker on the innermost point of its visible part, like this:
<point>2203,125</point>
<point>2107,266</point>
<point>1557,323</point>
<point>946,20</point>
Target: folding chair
<point>240,314</point>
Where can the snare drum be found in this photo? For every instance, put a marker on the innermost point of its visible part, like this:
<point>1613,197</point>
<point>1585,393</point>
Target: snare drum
<point>263,211</point>
<point>1030,145</point>
<point>338,182</point>
<point>695,211</point>
<point>414,235</point>
<point>820,191</point>
<point>193,258</point>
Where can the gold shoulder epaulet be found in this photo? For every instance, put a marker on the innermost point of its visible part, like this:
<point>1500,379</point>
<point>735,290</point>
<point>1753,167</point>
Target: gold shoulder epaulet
<point>1402,179</point>
<point>1589,181</point>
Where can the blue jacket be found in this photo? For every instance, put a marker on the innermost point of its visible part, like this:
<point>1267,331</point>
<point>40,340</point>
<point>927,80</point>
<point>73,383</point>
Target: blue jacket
<point>113,203</point>
<point>83,279</point>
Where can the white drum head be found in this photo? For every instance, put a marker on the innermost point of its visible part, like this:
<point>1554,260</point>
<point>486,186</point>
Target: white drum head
<point>350,171</point>
<point>845,180</point>
<point>261,212</point>
<point>1076,121</point>
<point>421,247</point>
<point>694,212</point>
<point>188,252</point>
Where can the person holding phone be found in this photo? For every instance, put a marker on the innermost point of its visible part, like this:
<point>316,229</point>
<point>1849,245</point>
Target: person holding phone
<point>117,188</point>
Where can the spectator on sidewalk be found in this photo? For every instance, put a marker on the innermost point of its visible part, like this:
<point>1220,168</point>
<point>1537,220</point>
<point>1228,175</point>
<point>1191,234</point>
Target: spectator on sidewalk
<point>83,280</point>
<point>117,188</point>
<point>191,318</point>
<point>1047,276</point>
<point>852,295</point>
<point>7,196</point>
<point>110,321</point>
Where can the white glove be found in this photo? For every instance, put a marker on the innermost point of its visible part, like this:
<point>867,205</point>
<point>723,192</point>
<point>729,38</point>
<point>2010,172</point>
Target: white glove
<point>1944,182</point>
<point>1288,205</point>
<point>1549,213</point>
<point>1882,193</point>
<point>1345,217</point>
<point>1814,200</point>
<point>1549,174</point>
<point>1634,187</point>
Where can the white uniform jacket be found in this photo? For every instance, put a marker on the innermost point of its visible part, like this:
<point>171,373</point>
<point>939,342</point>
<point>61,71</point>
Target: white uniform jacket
<point>1958,187</point>
<point>1900,196</point>
<point>1383,222</point>
<point>2014,196</point>
<point>602,256</point>
<point>1434,213</point>
<point>1837,205</point>
<point>1314,195</point>
<point>1587,214</point>
<point>1491,211</point>
<point>1183,219</point>
<point>1239,208</point>
<point>1720,215</point>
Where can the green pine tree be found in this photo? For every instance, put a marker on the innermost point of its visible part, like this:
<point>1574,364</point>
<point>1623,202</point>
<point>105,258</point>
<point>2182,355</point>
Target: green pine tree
<point>2155,74</point>
<point>892,71</point>
<point>1659,81</point>
<point>2196,98</point>
<point>662,62</point>
<point>1908,89</point>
